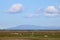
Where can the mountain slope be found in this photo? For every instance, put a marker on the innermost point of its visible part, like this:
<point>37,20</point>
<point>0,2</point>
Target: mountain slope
<point>33,27</point>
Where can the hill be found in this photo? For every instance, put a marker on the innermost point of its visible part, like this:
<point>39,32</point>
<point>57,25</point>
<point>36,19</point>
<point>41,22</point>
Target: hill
<point>33,27</point>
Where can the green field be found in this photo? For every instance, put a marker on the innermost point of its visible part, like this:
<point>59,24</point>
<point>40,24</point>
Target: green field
<point>35,34</point>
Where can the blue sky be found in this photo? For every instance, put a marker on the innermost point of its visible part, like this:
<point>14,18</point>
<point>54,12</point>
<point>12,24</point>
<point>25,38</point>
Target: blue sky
<point>29,12</point>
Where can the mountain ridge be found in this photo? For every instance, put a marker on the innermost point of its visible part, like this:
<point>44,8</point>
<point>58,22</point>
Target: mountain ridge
<point>34,27</point>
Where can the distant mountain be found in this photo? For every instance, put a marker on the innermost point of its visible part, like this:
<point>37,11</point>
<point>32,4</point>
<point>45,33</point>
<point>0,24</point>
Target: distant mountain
<point>33,27</point>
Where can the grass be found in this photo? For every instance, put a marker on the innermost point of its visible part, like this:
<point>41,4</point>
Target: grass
<point>38,34</point>
<point>29,34</point>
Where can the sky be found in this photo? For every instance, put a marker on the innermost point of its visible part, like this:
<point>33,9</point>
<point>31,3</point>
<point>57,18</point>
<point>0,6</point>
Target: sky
<point>29,12</point>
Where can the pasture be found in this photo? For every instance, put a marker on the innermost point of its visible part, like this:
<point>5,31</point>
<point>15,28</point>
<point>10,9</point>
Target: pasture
<point>29,34</point>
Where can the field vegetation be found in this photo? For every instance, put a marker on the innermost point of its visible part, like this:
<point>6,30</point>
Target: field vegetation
<point>30,34</point>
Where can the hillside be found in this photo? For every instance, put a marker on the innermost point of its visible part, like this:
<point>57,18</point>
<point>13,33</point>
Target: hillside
<point>33,27</point>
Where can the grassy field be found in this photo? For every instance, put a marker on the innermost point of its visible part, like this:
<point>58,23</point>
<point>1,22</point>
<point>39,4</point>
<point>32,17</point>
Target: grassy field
<point>30,34</point>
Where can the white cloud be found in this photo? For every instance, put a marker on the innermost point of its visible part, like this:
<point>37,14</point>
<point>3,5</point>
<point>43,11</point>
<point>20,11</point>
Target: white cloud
<point>51,15</point>
<point>33,15</point>
<point>59,7</point>
<point>51,9</point>
<point>15,8</point>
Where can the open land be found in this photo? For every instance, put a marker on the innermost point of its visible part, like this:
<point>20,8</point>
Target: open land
<point>29,34</point>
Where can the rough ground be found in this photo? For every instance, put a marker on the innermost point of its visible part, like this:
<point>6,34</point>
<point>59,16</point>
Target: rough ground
<point>29,34</point>
<point>13,38</point>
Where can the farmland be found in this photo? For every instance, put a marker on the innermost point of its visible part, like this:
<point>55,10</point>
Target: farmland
<point>29,34</point>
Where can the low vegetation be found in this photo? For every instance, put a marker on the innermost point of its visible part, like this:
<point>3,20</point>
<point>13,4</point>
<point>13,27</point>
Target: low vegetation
<point>41,34</point>
<point>30,33</point>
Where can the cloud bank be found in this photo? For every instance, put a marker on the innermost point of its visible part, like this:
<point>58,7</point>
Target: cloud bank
<point>51,11</point>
